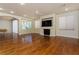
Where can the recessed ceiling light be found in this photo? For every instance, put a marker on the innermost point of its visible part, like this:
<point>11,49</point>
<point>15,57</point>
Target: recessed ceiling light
<point>12,12</point>
<point>37,12</point>
<point>66,9</point>
<point>22,3</point>
<point>24,15</point>
<point>1,9</point>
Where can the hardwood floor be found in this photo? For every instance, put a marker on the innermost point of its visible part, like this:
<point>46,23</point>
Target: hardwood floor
<point>35,44</point>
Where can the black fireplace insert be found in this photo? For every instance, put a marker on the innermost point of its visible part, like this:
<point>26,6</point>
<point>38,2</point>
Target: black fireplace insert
<point>47,32</point>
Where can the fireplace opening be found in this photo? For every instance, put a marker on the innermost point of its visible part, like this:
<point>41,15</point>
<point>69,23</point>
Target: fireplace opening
<point>46,32</point>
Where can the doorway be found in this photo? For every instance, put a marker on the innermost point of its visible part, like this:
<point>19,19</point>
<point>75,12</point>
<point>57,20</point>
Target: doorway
<point>15,26</point>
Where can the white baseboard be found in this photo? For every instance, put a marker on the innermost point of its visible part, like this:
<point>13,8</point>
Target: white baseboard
<point>62,35</point>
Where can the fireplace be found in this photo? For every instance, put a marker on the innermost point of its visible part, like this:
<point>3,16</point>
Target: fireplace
<point>46,32</point>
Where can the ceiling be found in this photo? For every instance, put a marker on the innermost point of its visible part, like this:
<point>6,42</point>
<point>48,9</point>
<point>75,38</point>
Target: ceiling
<point>29,9</point>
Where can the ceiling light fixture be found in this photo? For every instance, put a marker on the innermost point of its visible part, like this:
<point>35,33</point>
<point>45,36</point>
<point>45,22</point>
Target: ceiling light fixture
<point>11,12</point>
<point>37,12</point>
<point>66,9</point>
<point>1,9</point>
<point>24,15</point>
<point>22,3</point>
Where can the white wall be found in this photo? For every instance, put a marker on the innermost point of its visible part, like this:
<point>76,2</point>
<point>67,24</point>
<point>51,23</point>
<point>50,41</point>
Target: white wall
<point>37,26</point>
<point>66,32</point>
<point>5,24</point>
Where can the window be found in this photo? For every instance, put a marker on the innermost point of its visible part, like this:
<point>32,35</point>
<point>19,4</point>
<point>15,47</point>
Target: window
<point>26,24</point>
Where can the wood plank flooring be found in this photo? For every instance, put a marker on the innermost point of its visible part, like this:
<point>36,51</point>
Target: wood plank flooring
<point>35,44</point>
